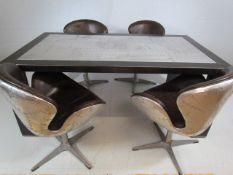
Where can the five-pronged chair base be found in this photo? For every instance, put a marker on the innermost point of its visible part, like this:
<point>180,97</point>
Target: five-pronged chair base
<point>166,143</point>
<point>135,80</point>
<point>88,83</point>
<point>67,144</point>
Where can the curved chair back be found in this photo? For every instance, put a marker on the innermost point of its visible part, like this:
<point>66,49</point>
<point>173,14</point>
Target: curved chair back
<point>85,26</point>
<point>146,27</point>
<point>33,109</point>
<point>200,103</point>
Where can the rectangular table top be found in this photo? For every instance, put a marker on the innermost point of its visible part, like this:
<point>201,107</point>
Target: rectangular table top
<point>116,48</point>
<point>115,53</point>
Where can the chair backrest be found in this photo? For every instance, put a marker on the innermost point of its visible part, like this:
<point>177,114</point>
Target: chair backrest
<point>32,108</point>
<point>85,26</point>
<point>146,27</point>
<point>200,103</point>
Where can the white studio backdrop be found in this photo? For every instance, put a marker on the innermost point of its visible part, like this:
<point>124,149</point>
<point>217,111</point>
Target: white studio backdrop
<point>207,21</point>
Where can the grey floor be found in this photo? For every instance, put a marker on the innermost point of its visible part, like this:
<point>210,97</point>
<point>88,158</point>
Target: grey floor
<point>118,127</point>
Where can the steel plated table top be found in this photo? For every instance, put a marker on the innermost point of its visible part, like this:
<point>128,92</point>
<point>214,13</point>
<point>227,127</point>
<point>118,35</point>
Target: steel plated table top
<point>115,48</point>
<point>115,53</point>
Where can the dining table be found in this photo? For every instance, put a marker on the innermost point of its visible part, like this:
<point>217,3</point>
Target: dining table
<point>116,53</point>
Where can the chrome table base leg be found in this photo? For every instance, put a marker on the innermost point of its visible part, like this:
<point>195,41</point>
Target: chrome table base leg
<point>166,143</point>
<point>67,144</point>
<point>135,80</point>
<point>88,83</point>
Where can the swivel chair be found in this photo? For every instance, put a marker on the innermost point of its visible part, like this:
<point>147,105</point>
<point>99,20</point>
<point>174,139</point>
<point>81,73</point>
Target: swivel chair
<point>186,105</point>
<point>53,106</point>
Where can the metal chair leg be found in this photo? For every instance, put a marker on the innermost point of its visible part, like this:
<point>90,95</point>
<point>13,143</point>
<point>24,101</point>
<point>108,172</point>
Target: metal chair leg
<point>183,142</point>
<point>149,146</point>
<point>167,143</point>
<point>161,134</point>
<point>54,153</point>
<point>75,138</point>
<point>134,81</point>
<point>67,145</point>
<point>88,83</point>
<point>126,80</point>
<point>78,154</point>
<point>139,81</point>
<point>174,161</point>
<point>86,80</point>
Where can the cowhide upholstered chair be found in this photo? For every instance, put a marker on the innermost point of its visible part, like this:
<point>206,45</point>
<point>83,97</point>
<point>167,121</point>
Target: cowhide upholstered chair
<point>142,27</point>
<point>53,106</point>
<point>186,105</point>
<point>87,26</point>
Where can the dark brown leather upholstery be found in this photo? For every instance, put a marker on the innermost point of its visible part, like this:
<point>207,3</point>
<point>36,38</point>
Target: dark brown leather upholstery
<point>69,95</point>
<point>85,26</point>
<point>11,73</point>
<point>146,27</point>
<point>168,92</point>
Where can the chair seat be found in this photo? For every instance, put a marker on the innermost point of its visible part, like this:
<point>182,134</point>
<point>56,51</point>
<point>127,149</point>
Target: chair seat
<point>168,92</point>
<point>69,95</point>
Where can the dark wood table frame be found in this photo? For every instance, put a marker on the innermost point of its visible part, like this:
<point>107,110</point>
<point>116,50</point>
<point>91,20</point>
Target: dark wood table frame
<point>169,68</point>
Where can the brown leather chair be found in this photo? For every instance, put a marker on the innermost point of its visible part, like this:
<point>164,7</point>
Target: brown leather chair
<point>87,26</point>
<point>143,27</point>
<point>186,105</point>
<point>53,106</point>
